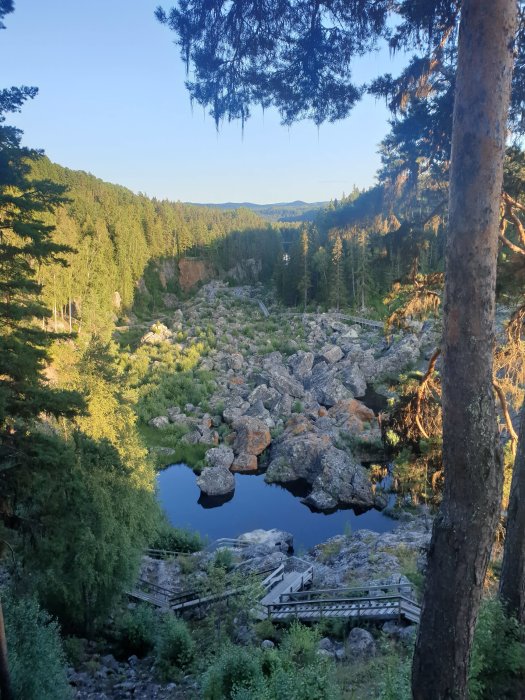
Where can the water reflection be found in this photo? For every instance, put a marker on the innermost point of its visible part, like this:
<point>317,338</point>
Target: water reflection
<point>256,504</point>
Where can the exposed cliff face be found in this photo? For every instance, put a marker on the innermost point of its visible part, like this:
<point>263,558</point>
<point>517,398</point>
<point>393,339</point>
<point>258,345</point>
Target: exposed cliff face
<point>192,271</point>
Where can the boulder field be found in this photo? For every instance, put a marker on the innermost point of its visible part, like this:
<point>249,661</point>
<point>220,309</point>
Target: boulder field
<point>294,413</point>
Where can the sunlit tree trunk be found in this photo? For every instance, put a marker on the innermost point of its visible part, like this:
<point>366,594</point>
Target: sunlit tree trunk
<point>465,525</point>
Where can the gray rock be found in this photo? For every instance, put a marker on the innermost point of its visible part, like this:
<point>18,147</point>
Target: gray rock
<point>284,383</point>
<point>301,364</point>
<point>325,387</point>
<point>268,395</point>
<point>392,629</point>
<point>231,413</point>
<point>160,422</point>
<point>399,356</point>
<point>267,644</point>
<point>360,643</point>
<point>273,539</point>
<point>173,412</point>
<point>331,354</point>
<point>216,481</point>
<point>220,457</point>
<point>326,643</point>
<point>236,361</point>
<point>354,379</point>
<point>345,480</point>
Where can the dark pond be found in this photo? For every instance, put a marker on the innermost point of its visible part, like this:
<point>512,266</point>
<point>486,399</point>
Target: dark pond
<point>256,504</point>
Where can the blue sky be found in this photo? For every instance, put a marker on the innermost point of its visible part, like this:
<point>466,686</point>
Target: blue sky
<point>112,102</point>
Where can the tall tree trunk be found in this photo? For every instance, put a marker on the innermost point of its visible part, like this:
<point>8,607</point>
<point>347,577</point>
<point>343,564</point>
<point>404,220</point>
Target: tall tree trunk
<point>464,528</point>
<point>5,681</point>
<point>512,582</point>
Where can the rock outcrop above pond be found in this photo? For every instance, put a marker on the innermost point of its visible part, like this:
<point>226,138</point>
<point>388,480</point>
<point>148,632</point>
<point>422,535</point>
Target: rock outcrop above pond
<point>307,452</point>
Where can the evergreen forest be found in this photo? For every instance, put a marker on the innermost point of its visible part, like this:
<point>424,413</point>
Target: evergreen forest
<point>365,355</point>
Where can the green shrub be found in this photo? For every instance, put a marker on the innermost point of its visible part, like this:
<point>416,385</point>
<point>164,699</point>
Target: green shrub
<point>176,539</point>
<point>395,681</point>
<point>224,559</point>
<point>497,667</point>
<point>235,669</point>
<point>299,644</point>
<point>174,648</point>
<point>265,629</point>
<point>36,657</point>
<point>75,650</point>
<point>136,631</point>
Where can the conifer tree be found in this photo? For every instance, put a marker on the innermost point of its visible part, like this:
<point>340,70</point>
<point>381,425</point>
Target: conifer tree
<point>337,270</point>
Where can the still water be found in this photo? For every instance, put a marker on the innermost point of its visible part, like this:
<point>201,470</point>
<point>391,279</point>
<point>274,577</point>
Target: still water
<point>256,504</point>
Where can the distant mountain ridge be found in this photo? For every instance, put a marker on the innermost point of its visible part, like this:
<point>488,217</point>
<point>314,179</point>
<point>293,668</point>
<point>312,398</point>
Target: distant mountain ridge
<point>280,211</point>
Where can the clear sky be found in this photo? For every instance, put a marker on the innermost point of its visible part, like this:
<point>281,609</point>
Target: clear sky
<point>112,102</point>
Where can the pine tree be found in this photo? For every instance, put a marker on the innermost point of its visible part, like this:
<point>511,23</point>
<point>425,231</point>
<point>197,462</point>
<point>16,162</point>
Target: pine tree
<point>337,271</point>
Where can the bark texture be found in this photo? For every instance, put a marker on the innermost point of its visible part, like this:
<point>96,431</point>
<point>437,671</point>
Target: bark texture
<point>512,582</point>
<point>5,682</point>
<point>464,528</point>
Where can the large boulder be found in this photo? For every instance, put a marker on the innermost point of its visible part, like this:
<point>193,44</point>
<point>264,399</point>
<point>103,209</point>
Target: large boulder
<point>158,333</point>
<point>268,395</point>
<point>301,364</point>
<point>235,361</point>
<point>325,387</point>
<point>273,539</point>
<point>160,422</point>
<point>351,416</point>
<point>297,454</point>
<point>219,457</point>
<point>284,383</point>
<point>330,354</point>
<point>302,452</point>
<point>244,463</point>
<point>402,354</point>
<point>354,379</point>
<point>360,643</point>
<point>216,481</point>
<point>252,435</point>
<point>341,480</point>
<point>257,410</point>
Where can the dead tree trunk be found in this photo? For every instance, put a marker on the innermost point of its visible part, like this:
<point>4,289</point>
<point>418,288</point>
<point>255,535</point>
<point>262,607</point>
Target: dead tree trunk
<point>464,528</point>
<point>512,582</point>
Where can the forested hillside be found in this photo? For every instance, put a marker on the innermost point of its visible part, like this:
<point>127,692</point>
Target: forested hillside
<point>114,234</point>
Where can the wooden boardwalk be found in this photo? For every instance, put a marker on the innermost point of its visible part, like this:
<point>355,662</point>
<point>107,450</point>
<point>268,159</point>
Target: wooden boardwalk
<point>369,603</point>
<point>285,597</point>
<point>360,320</point>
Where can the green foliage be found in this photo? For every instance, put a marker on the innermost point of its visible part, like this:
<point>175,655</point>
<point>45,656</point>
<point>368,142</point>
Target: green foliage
<point>293,671</point>
<point>497,667</point>
<point>174,647</point>
<point>395,680</point>
<point>224,559</point>
<point>136,631</point>
<point>299,644</point>
<point>36,657</point>
<point>235,669</point>
<point>265,629</point>
<point>175,539</point>
<point>95,524</point>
